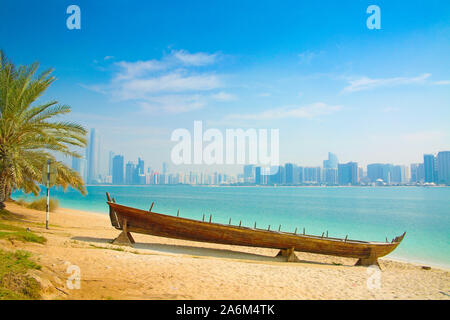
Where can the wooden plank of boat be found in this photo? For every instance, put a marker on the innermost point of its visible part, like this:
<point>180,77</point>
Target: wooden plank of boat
<point>130,219</point>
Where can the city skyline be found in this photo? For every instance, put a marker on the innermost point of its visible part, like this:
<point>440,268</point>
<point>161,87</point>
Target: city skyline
<point>319,75</point>
<point>122,170</point>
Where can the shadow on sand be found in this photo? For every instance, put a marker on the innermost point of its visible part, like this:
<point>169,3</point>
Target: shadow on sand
<point>199,251</point>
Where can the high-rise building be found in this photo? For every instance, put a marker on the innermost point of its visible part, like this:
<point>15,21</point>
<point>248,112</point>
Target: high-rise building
<point>249,173</point>
<point>117,170</point>
<point>429,163</point>
<point>330,172</point>
<point>443,167</point>
<point>276,175</point>
<point>130,170</point>
<point>399,175</point>
<point>110,163</point>
<point>258,175</point>
<point>311,175</point>
<point>381,171</point>
<point>332,162</point>
<point>417,174</point>
<point>289,172</point>
<point>79,165</point>
<point>331,176</point>
<point>348,173</point>
<point>139,173</point>
<point>93,157</point>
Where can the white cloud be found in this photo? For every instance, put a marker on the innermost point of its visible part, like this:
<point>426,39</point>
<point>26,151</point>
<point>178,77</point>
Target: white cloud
<point>223,96</point>
<point>169,84</point>
<point>195,59</point>
<point>131,70</point>
<point>442,82</point>
<point>366,83</point>
<point>309,111</point>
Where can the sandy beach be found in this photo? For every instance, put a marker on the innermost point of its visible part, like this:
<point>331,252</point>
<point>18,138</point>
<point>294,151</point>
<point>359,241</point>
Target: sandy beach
<point>161,268</point>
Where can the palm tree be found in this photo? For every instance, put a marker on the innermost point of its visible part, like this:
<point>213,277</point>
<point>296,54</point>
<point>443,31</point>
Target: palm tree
<point>29,133</point>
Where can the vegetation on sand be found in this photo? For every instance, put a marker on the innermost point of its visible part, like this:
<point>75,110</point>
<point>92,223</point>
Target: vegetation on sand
<point>14,281</point>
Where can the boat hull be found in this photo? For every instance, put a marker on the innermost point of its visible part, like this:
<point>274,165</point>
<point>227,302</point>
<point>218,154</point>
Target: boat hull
<point>131,219</point>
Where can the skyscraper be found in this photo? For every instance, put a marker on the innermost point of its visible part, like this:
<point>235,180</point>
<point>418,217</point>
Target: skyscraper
<point>93,157</point>
<point>79,165</point>
<point>110,163</point>
<point>258,175</point>
<point>429,163</point>
<point>330,169</point>
<point>139,172</point>
<point>332,162</point>
<point>348,173</point>
<point>130,170</point>
<point>289,171</point>
<point>248,173</point>
<point>311,175</point>
<point>117,170</point>
<point>415,172</point>
<point>443,167</point>
<point>381,171</point>
<point>399,175</point>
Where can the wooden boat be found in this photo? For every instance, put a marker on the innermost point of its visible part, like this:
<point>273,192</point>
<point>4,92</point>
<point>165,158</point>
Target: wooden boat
<point>130,219</point>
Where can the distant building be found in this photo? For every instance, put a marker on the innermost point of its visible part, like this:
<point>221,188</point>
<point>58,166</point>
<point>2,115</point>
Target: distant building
<point>380,171</point>
<point>311,175</point>
<point>443,167</point>
<point>417,173</point>
<point>289,172</point>
<point>429,163</point>
<point>117,170</point>
<point>110,163</point>
<point>275,176</point>
<point>348,173</point>
<point>139,174</point>
<point>93,157</point>
<point>248,173</point>
<point>330,176</point>
<point>130,171</point>
<point>79,165</point>
<point>258,180</point>
<point>332,162</point>
<point>399,175</point>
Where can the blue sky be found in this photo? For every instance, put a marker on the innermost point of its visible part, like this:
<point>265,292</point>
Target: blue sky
<point>138,70</point>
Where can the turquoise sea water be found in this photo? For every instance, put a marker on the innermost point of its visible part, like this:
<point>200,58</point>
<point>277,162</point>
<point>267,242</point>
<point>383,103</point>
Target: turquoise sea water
<point>363,213</point>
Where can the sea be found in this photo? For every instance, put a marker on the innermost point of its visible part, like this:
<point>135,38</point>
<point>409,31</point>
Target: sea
<point>362,213</point>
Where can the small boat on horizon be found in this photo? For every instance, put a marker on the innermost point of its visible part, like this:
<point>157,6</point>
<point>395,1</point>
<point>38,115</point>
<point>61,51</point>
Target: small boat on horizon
<point>129,219</point>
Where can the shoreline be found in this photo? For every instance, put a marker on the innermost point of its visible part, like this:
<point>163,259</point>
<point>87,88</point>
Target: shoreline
<point>163,268</point>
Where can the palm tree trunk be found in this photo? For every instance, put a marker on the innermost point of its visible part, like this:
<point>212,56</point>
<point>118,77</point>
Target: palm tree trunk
<point>3,188</point>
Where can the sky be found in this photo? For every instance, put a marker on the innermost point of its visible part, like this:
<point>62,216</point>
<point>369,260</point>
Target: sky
<point>136,71</point>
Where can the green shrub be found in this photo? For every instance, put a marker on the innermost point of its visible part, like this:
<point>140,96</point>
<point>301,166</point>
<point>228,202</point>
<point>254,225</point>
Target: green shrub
<point>39,204</point>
